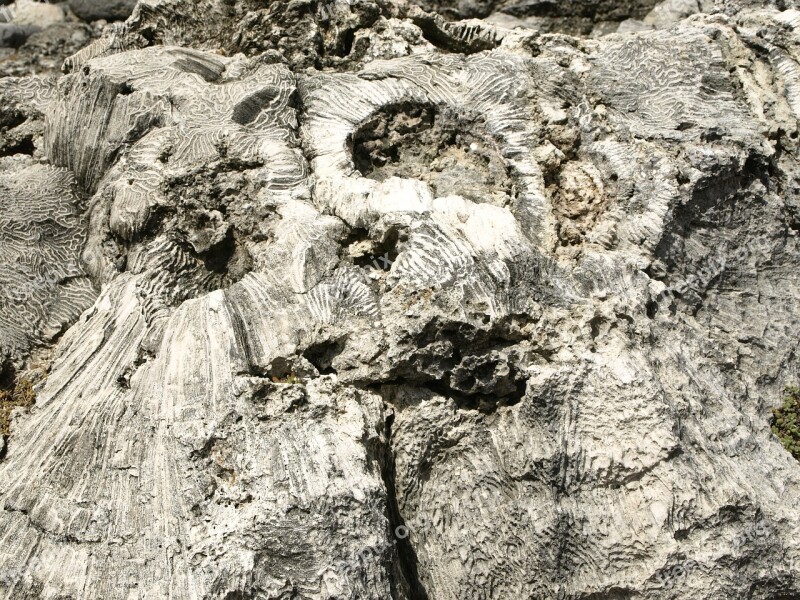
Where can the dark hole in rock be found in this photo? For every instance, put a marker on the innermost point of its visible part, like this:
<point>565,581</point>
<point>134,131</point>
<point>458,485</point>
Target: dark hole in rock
<point>8,375</point>
<point>22,146</point>
<point>228,258</point>
<point>595,324</point>
<point>322,354</point>
<point>652,309</point>
<point>450,152</point>
<point>11,118</point>
<point>284,370</point>
<point>346,43</point>
<point>375,254</point>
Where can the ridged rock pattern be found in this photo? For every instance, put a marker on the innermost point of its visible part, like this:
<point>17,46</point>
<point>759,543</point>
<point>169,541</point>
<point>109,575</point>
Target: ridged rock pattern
<point>43,230</point>
<point>364,303</point>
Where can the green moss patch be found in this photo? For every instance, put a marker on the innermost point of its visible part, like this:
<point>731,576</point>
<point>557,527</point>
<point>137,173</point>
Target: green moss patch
<point>786,421</point>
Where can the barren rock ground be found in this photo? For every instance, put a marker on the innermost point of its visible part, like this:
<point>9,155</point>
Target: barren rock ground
<point>374,299</point>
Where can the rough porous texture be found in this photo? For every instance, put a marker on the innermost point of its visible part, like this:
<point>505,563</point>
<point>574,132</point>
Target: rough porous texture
<point>355,300</point>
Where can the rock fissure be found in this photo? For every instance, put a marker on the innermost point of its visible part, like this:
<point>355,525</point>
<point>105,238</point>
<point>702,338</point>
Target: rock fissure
<point>316,273</point>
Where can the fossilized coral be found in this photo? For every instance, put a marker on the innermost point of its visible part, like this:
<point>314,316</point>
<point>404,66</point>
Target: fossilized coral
<point>455,242</point>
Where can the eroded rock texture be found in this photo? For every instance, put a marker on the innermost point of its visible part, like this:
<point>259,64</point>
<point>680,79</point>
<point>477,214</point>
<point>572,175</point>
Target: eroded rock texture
<point>377,304</point>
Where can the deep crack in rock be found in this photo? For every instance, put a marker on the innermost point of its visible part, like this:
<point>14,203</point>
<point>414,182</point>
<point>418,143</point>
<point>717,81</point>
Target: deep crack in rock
<point>355,299</point>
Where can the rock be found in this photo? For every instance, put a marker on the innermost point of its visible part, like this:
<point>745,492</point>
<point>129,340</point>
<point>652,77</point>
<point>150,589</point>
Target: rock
<point>671,11</point>
<point>633,25</point>
<point>37,14</point>
<point>576,17</point>
<point>110,10</point>
<point>44,50</point>
<point>376,304</point>
<point>40,221</point>
<point>13,36</point>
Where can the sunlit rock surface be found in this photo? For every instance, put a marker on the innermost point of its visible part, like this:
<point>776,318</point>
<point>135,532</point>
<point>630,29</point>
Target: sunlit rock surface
<point>349,300</point>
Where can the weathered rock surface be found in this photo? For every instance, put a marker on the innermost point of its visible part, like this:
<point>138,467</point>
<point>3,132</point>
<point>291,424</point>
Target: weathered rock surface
<point>36,37</point>
<point>111,10</point>
<point>13,36</point>
<point>37,14</point>
<point>381,305</point>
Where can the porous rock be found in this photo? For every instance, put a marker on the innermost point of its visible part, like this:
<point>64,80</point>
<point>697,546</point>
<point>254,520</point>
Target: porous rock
<point>420,309</point>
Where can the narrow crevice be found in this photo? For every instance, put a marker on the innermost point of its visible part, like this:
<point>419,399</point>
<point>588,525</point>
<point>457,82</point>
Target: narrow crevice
<point>408,563</point>
<point>486,404</point>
